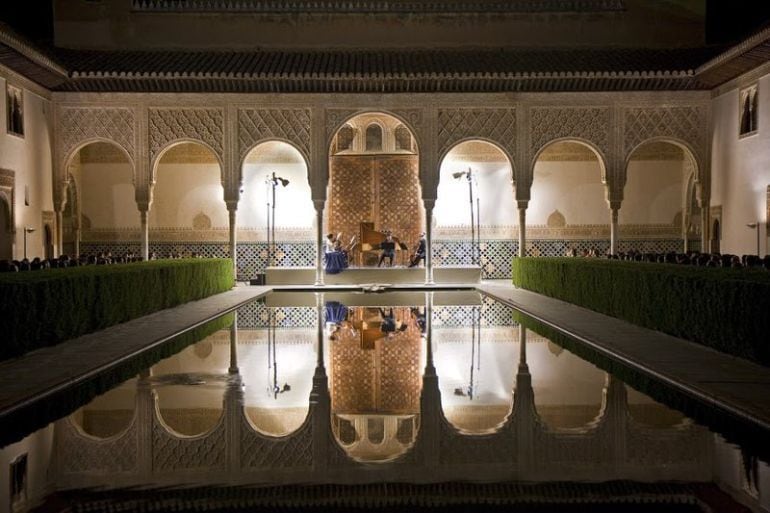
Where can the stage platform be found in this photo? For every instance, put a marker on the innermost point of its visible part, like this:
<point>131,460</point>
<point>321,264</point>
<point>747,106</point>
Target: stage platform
<point>374,275</point>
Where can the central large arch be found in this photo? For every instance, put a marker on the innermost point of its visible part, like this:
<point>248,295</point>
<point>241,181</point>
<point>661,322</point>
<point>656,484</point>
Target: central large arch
<point>374,181</point>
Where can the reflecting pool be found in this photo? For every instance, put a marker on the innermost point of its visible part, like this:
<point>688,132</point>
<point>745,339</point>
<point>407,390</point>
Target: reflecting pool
<point>299,392</point>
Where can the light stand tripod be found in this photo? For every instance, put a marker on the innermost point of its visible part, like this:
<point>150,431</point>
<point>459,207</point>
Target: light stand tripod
<point>475,220</point>
<point>272,181</point>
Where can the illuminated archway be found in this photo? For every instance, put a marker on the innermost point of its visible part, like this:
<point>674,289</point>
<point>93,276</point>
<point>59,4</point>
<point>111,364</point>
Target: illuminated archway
<point>660,211</point>
<point>492,208</point>
<point>568,212</point>
<point>374,183</point>
<point>188,213</point>
<point>105,202</point>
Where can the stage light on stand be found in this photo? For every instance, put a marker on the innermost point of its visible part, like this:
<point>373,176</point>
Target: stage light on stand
<point>475,227</point>
<point>755,226</point>
<point>272,181</point>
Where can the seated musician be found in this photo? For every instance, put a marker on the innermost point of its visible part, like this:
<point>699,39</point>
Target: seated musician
<point>331,242</point>
<point>388,247</point>
<point>419,252</point>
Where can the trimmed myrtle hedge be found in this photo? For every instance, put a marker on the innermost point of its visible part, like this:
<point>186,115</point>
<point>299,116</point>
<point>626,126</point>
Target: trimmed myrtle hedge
<point>726,309</point>
<point>43,308</point>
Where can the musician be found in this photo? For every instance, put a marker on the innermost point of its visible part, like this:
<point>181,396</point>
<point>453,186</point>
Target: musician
<point>419,251</point>
<point>388,247</point>
<point>331,242</point>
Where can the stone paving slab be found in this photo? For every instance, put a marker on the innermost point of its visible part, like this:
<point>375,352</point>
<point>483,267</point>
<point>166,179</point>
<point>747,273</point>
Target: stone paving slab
<point>727,382</point>
<point>45,371</point>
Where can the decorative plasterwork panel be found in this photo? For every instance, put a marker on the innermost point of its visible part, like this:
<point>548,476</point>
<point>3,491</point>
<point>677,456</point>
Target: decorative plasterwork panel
<point>413,119</point>
<point>78,124</point>
<point>168,125</point>
<point>687,124</point>
<point>334,120</point>
<point>496,125</point>
<point>255,125</point>
<point>587,123</point>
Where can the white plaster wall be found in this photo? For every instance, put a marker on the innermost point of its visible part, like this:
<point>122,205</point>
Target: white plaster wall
<point>294,205</point>
<point>30,158</point>
<point>107,195</point>
<point>653,192</point>
<point>740,171</point>
<point>575,188</point>
<point>38,447</point>
<point>495,189</point>
<point>182,191</point>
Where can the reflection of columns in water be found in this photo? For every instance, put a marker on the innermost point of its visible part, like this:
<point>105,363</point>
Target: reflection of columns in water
<point>320,401</point>
<point>145,415</point>
<point>615,415</point>
<point>430,397</point>
<point>319,241</point>
<point>524,406</point>
<point>234,345</point>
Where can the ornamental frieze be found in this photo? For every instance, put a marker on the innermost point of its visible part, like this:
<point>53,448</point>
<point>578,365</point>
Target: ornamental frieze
<point>587,123</point>
<point>76,125</point>
<point>495,125</point>
<point>169,125</point>
<point>687,123</point>
<point>256,125</point>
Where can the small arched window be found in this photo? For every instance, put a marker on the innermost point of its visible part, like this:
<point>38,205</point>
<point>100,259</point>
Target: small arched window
<point>403,138</point>
<point>345,138</point>
<point>374,137</point>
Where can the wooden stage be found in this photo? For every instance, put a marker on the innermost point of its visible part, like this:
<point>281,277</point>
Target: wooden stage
<point>374,275</point>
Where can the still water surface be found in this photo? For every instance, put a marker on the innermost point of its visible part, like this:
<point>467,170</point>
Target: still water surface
<point>409,387</point>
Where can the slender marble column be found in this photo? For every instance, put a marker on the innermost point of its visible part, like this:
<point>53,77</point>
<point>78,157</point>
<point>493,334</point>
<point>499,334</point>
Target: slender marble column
<point>231,210</point>
<point>145,236</point>
<point>60,232</point>
<point>234,345</point>
<point>613,231</point>
<point>429,204</point>
<point>319,221</point>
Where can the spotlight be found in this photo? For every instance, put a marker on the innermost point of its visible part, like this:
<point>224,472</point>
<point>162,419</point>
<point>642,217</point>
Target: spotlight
<point>284,181</point>
<point>459,174</point>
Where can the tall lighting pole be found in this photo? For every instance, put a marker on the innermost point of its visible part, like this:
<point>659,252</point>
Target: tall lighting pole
<point>469,177</point>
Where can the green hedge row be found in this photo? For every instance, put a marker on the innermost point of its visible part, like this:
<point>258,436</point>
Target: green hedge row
<point>726,309</point>
<point>43,308</point>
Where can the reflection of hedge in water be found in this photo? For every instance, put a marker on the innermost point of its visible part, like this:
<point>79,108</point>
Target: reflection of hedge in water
<point>39,414</point>
<point>734,429</point>
<point>43,308</point>
<point>726,309</point>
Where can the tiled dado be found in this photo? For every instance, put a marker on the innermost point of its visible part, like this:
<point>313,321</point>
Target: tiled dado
<point>496,255</point>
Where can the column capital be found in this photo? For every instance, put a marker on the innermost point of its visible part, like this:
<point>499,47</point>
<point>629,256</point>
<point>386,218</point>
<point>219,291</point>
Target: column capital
<point>522,204</point>
<point>232,205</point>
<point>429,203</point>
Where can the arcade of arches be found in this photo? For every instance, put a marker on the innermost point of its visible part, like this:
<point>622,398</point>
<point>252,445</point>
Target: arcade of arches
<point>378,179</point>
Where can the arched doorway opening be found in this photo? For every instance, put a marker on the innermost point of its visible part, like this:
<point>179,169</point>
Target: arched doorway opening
<point>374,185</point>
<point>188,216</point>
<point>492,208</point>
<point>660,211</point>
<point>6,229</point>
<point>291,210</point>
<point>716,236</point>
<point>568,212</point>
<point>48,241</point>
<point>105,202</point>
<point>71,219</point>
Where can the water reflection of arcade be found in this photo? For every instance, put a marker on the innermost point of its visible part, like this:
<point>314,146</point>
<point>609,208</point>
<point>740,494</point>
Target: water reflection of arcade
<point>381,404</point>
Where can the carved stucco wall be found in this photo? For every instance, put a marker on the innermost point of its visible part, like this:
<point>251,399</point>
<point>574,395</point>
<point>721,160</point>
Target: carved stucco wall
<point>520,128</point>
